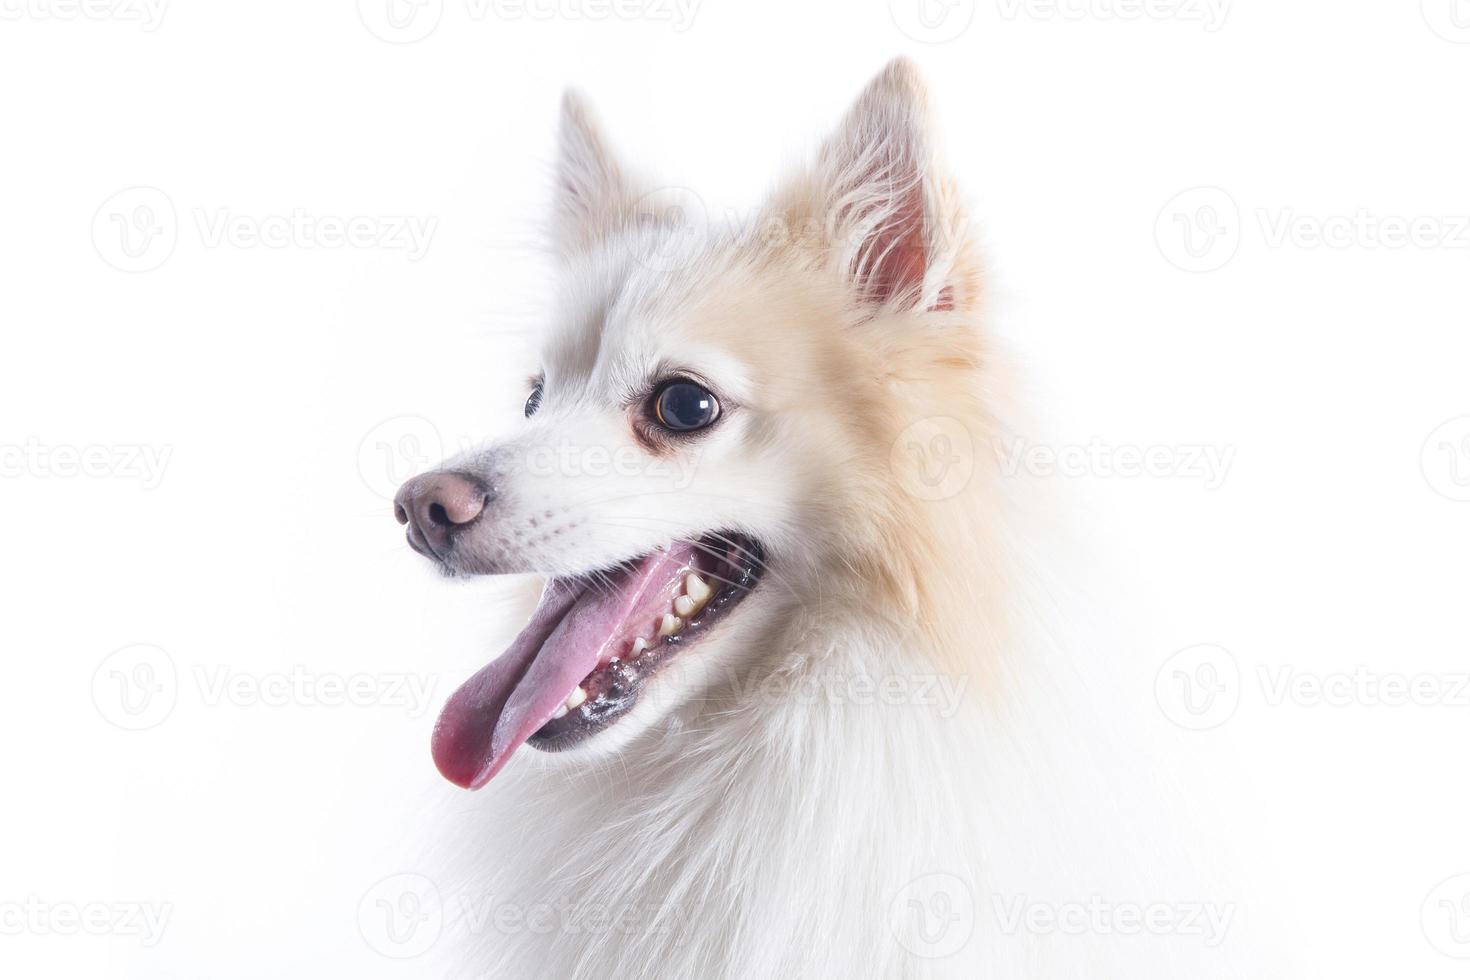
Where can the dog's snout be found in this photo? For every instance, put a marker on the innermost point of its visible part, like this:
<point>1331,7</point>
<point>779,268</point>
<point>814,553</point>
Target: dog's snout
<point>435,506</point>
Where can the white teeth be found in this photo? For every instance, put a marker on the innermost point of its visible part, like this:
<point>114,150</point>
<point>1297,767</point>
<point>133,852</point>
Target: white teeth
<point>560,712</point>
<point>574,701</point>
<point>697,589</point>
<point>685,606</point>
<point>639,645</point>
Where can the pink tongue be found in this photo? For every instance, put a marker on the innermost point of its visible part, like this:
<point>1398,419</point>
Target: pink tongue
<point>504,704</point>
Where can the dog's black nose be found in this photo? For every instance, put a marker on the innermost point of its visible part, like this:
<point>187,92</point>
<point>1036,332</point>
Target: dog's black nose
<point>437,505</point>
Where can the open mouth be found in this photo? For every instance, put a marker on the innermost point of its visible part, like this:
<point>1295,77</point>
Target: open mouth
<point>589,651</point>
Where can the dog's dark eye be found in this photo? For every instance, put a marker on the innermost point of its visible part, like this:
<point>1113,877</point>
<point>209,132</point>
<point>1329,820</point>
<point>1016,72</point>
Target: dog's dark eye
<point>682,406</point>
<point>534,401</point>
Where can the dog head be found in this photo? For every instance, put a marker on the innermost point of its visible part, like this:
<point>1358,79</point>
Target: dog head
<point>712,437</point>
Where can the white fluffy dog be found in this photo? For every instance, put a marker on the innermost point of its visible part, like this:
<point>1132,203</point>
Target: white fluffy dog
<point>769,675</point>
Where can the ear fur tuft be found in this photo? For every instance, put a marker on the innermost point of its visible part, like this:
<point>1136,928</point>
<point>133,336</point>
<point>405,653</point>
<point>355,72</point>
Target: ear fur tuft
<point>895,229</point>
<point>592,193</point>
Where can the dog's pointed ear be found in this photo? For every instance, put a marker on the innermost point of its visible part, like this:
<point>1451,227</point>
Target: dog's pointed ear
<point>592,194</point>
<point>891,219</point>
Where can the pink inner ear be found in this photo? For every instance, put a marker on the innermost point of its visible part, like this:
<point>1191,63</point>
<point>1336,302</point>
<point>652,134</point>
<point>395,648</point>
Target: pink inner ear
<point>893,261</point>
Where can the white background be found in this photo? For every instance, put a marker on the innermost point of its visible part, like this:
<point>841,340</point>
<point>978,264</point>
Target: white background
<point>291,384</point>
